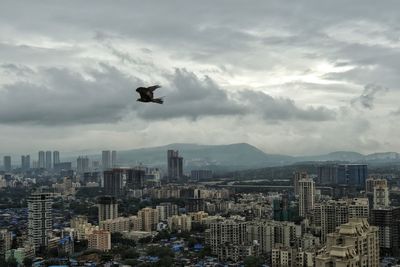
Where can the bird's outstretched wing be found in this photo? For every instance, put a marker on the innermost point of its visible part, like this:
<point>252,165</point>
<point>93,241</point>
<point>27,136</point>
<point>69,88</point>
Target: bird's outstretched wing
<point>153,88</point>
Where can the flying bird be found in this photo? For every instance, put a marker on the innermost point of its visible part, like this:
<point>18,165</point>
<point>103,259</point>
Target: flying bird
<point>146,94</point>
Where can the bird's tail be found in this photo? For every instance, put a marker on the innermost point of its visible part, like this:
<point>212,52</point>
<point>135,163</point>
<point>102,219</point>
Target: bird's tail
<point>158,100</point>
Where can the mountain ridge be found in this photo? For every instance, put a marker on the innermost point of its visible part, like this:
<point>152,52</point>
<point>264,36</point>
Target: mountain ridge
<point>235,156</point>
<point>238,156</point>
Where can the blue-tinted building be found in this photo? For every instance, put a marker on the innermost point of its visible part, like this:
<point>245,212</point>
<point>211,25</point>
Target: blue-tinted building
<point>352,174</point>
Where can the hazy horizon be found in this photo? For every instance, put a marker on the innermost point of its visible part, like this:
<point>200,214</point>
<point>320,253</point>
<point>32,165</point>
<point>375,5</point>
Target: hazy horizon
<point>97,153</point>
<point>304,78</point>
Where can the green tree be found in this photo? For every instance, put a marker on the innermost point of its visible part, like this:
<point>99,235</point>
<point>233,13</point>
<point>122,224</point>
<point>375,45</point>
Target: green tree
<point>12,262</point>
<point>160,251</point>
<point>131,262</point>
<point>252,261</point>
<point>164,234</point>
<point>206,251</point>
<point>28,261</point>
<point>191,242</point>
<point>105,257</point>
<point>165,262</point>
<point>130,253</point>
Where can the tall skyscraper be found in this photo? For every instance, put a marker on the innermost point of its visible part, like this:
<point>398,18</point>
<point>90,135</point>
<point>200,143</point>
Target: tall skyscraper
<point>25,162</point>
<point>7,163</point>
<point>42,160</point>
<point>297,176</point>
<point>327,216</point>
<point>354,243</point>
<point>48,163</point>
<point>113,182</point>
<point>108,208</point>
<point>39,219</point>
<point>149,219</point>
<point>166,210</point>
<point>56,157</point>
<point>114,159</point>
<point>82,164</point>
<point>381,196</point>
<point>387,219</point>
<point>175,165</point>
<point>135,178</point>
<point>327,174</point>
<point>224,234</point>
<point>106,159</point>
<point>306,196</point>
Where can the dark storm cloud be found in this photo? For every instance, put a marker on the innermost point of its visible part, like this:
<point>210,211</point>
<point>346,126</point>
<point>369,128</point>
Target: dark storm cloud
<point>188,96</point>
<point>107,96</point>
<point>67,97</point>
<point>283,108</point>
<point>192,97</point>
<point>368,96</point>
<point>19,70</point>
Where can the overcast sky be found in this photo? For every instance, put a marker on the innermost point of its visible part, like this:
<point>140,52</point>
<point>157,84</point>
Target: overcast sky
<point>290,77</point>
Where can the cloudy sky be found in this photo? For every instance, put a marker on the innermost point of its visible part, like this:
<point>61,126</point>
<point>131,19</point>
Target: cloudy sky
<point>290,77</point>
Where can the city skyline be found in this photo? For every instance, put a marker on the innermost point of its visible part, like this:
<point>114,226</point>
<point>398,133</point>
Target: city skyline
<point>283,70</point>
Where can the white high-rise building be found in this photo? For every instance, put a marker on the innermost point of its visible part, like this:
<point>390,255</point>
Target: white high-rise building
<point>306,196</point>
<point>297,176</point>
<point>381,196</point>
<point>39,219</point>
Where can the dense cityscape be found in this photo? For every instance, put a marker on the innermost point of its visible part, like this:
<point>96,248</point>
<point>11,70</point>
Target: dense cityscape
<point>98,213</point>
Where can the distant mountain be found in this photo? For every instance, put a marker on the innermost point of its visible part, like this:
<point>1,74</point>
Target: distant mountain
<point>383,156</point>
<point>335,156</point>
<point>236,156</point>
<point>233,157</point>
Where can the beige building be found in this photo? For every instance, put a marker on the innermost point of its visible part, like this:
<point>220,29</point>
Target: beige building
<point>358,208</point>
<point>297,176</point>
<point>372,182</point>
<point>306,196</point>
<point>226,238</point>
<point>81,228</point>
<point>99,239</point>
<point>355,243</point>
<point>107,208</point>
<point>268,233</point>
<point>149,218</point>
<point>283,256</point>
<point>120,224</point>
<point>180,223</point>
<point>327,216</point>
<point>198,217</point>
